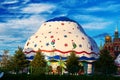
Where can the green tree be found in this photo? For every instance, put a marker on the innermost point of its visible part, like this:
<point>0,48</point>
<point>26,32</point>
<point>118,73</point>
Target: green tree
<point>18,62</point>
<point>105,64</point>
<point>11,64</point>
<point>4,61</point>
<point>72,63</point>
<point>38,64</point>
<point>5,58</point>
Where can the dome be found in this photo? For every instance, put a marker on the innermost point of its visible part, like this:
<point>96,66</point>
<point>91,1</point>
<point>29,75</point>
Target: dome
<point>58,37</point>
<point>108,38</point>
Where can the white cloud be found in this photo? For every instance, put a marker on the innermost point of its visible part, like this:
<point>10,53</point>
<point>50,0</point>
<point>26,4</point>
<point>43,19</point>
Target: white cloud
<point>93,22</point>
<point>10,1</point>
<point>38,8</point>
<point>32,23</point>
<point>96,25</point>
<point>108,6</point>
<point>11,41</point>
<point>88,18</point>
<point>28,27</point>
<point>2,27</point>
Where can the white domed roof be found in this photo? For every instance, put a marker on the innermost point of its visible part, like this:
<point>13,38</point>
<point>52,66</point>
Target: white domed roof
<point>60,36</point>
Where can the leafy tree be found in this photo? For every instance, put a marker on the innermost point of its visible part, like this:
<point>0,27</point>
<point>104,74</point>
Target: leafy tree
<point>38,64</point>
<point>5,58</point>
<point>18,62</point>
<point>48,69</point>
<point>105,64</point>
<point>72,64</point>
<point>11,64</point>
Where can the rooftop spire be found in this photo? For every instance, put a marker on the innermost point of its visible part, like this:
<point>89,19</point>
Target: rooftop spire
<point>116,30</point>
<point>116,35</point>
<point>101,45</point>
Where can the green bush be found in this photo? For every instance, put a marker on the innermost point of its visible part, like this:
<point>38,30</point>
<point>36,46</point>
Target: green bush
<point>57,77</point>
<point>38,70</point>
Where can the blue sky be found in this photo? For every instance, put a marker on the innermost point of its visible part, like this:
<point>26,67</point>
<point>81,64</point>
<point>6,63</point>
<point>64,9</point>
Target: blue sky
<point>19,19</point>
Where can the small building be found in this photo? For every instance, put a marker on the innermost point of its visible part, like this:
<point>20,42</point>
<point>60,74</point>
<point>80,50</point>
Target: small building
<point>57,38</point>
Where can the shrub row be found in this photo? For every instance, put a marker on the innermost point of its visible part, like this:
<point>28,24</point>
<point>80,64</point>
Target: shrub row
<point>57,77</point>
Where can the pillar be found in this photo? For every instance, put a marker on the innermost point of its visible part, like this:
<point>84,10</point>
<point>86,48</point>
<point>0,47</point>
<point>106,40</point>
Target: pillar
<point>89,68</point>
<point>85,67</point>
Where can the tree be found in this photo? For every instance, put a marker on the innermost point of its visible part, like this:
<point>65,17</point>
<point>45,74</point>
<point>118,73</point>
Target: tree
<point>72,63</point>
<point>38,64</point>
<point>105,64</point>
<point>5,58</point>
<point>18,62</point>
<point>11,64</point>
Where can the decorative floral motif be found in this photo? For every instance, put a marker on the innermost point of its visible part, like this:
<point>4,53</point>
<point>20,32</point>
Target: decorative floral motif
<point>44,24</point>
<point>35,45</point>
<point>76,35</point>
<point>49,32</point>
<point>62,23</point>
<point>80,45</point>
<point>28,43</point>
<point>51,36</point>
<point>65,36</point>
<point>65,44</point>
<point>83,38</point>
<point>47,44</point>
<point>74,45</point>
<point>69,32</point>
<point>91,48</point>
<point>36,36</point>
<point>53,42</point>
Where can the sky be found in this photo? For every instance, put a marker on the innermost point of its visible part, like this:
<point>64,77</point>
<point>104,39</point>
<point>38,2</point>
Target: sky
<point>19,19</point>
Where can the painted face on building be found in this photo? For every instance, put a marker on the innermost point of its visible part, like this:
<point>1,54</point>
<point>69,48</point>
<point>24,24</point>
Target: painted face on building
<point>58,37</point>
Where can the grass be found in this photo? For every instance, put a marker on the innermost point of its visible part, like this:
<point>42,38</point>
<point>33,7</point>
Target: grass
<point>57,77</point>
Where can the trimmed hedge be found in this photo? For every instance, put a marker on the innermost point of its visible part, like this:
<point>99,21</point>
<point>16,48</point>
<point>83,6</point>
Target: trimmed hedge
<point>57,77</point>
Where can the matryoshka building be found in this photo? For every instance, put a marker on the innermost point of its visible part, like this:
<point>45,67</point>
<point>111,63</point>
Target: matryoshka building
<point>57,38</point>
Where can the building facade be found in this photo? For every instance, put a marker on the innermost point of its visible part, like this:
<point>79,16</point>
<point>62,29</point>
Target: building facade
<point>57,38</point>
<point>113,45</point>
